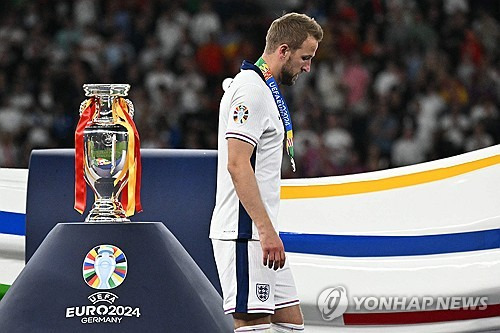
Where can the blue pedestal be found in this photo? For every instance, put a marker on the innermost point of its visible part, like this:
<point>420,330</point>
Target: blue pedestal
<point>178,189</point>
<point>163,290</point>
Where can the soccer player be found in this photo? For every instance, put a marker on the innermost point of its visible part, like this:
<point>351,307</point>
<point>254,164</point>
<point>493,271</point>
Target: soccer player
<point>257,284</point>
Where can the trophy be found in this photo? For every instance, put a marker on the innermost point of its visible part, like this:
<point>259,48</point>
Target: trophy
<point>107,154</point>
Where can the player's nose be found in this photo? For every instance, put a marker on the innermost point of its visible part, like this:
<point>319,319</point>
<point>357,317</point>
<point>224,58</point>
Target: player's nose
<point>307,67</point>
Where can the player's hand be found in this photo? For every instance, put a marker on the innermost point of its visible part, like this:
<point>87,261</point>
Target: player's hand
<point>273,251</point>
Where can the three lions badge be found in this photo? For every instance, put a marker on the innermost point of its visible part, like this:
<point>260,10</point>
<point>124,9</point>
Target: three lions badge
<point>262,291</point>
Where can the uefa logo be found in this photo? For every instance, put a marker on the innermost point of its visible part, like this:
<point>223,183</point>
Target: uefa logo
<point>104,267</point>
<point>332,302</point>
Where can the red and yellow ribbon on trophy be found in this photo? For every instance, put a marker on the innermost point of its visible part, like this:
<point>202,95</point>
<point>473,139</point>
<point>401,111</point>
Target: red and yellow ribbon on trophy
<point>131,170</point>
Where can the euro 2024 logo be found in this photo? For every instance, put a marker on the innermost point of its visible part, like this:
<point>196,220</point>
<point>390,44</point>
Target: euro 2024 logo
<point>332,302</point>
<point>104,267</point>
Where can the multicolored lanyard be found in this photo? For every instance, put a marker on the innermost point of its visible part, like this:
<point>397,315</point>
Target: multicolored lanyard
<point>280,103</point>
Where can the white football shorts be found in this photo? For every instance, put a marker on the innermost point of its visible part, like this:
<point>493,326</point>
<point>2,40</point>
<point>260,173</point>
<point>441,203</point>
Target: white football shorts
<point>247,285</point>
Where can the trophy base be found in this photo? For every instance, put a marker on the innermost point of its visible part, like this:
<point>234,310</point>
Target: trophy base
<point>106,211</point>
<point>105,219</point>
<point>158,277</point>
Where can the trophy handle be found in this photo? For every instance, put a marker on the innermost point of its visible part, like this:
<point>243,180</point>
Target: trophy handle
<point>83,105</point>
<point>131,109</point>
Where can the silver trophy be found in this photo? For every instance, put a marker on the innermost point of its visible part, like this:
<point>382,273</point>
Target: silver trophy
<point>105,153</point>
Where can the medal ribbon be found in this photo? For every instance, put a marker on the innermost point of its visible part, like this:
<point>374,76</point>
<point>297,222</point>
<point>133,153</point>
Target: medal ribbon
<point>280,103</point>
<point>88,113</point>
<point>131,193</point>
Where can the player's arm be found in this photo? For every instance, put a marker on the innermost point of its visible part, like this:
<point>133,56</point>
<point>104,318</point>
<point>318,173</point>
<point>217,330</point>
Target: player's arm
<point>245,183</point>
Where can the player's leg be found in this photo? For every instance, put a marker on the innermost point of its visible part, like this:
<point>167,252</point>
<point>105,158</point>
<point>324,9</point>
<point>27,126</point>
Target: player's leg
<point>252,322</point>
<point>287,320</point>
<point>291,314</point>
<point>247,285</point>
<point>288,315</point>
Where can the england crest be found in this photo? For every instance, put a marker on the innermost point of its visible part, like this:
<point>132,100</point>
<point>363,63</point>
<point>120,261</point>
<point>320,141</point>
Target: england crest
<point>262,291</point>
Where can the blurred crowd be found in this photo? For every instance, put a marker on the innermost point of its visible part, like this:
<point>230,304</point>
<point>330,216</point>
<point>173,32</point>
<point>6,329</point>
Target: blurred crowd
<point>394,82</point>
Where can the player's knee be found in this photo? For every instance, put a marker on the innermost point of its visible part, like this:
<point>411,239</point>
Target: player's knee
<point>286,328</point>
<point>290,315</point>
<point>252,322</point>
<point>252,318</point>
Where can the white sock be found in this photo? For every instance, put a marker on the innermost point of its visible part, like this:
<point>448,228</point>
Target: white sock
<point>262,328</point>
<point>286,328</point>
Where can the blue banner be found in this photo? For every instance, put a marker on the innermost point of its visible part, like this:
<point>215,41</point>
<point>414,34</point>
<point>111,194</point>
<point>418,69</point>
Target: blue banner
<point>12,223</point>
<point>386,246</point>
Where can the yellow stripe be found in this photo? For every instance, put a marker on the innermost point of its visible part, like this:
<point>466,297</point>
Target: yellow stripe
<point>331,190</point>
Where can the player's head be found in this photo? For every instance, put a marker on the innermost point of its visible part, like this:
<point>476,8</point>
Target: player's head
<point>293,38</point>
<point>292,29</point>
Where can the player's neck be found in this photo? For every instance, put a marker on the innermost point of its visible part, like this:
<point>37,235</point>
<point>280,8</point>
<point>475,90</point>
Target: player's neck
<point>274,65</point>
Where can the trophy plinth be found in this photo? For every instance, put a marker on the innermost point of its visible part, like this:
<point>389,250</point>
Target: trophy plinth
<point>112,277</point>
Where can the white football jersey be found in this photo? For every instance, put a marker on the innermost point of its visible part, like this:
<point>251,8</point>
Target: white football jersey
<point>248,113</point>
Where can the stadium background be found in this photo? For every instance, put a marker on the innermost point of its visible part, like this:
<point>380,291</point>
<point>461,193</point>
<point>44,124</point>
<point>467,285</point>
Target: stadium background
<point>393,83</point>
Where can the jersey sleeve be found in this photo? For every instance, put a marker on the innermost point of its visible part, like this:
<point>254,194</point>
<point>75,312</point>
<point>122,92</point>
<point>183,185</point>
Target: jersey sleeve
<point>247,114</point>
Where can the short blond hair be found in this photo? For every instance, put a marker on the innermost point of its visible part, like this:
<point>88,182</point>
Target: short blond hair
<point>292,29</point>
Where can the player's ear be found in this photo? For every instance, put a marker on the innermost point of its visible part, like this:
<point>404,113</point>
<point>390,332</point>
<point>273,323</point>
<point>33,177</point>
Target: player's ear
<point>284,51</point>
